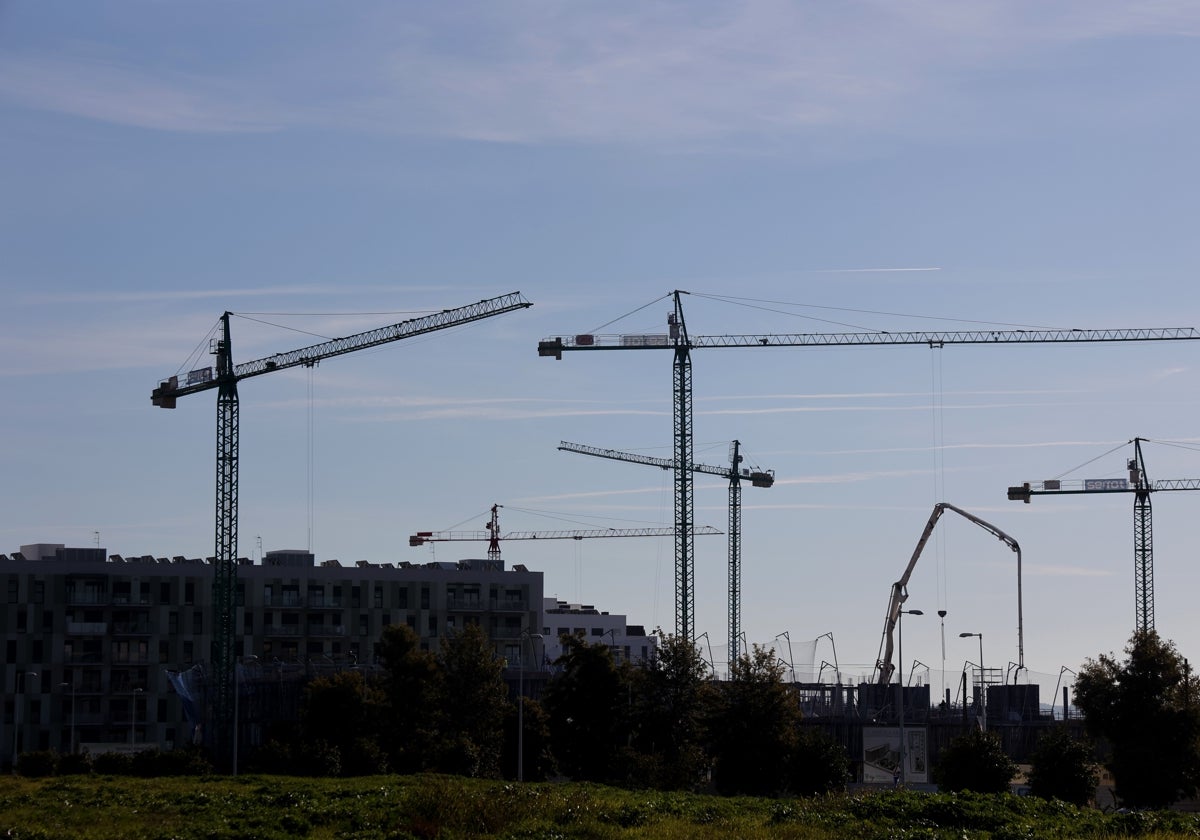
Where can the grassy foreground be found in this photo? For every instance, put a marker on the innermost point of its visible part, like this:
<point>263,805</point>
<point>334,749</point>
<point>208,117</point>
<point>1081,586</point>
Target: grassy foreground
<point>395,807</point>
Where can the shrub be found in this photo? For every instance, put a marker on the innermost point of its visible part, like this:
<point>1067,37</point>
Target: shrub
<point>37,764</point>
<point>75,764</point>
<point>1063,768</point>
<point>974,761</point>
<point>113,764</point>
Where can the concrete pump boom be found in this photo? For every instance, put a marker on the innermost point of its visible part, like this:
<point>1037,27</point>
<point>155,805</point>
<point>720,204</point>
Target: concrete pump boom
<point>883,666</point>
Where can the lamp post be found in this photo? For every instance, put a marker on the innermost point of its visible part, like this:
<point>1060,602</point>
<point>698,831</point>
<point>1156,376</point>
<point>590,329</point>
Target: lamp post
<point>525,634</point>
<point>72,686</point>
<point>19,685</point>
<point>982,680</point>
<point>900,686</point>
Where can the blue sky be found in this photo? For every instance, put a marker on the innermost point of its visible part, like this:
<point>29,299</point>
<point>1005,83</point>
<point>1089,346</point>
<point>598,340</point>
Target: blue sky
<point>861,165</point>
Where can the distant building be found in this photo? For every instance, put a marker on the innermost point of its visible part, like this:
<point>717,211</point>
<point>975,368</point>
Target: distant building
<point>628,642</point>
<point>105,650</point>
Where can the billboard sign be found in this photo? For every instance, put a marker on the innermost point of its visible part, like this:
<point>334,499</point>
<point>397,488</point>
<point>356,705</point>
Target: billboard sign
<point>1102,484</point>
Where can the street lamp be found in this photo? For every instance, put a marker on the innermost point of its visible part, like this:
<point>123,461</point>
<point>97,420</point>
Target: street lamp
<point>133,716</point>
<point>982,679</point>
<point>20,689</point>
<point>525,634</point>
<point>72,685</point>
<point>900,685</point>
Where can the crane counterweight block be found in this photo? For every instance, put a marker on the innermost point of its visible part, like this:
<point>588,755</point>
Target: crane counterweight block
<point>1019,494</point>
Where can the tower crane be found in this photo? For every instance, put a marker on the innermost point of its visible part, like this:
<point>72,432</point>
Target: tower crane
<point>492,535</point>
<point>677,340</point>
<point>735,473</point>
<point>225,379</point>
<point>883,665</point>
<point>1143,533</point>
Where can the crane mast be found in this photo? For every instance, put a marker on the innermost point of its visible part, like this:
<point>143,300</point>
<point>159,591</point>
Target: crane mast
<point>225,379</point>
<point>681,343</point>
<point>1143,526</point>
<point>734,473</point>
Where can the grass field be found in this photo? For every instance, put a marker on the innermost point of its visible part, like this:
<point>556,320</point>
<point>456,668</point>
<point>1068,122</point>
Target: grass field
<point>395,807</point>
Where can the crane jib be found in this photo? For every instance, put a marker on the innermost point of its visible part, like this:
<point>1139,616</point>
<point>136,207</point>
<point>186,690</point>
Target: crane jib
<point>203,379</point>
<point>556,345</point>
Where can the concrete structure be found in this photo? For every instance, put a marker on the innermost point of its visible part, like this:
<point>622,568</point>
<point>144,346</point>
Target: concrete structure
<point>628,642</point>
<point>91,641</point>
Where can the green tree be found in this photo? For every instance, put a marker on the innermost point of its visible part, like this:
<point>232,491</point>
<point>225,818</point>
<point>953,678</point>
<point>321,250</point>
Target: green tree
<point>817,764</point>
<point>754,727</point>
<point>476,704</point>
<point>1063,768</point>
<point>975,761</point>
<point>672,697</point>
<point>582,701</point>
<point>415,695</point>
<point>334,713</point>
<point>1146,708</point>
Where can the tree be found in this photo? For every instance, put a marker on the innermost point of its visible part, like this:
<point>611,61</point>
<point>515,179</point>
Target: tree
<point>975,761</point>
<point>671,698</point>
<point>1146,709</point>
<point>754,727</point>
<point>415,694</point>
<point>334,714</point>
<point>1063,768</point>
<point>476,704</point>
<point>582,701</point>
<point>817,764</point>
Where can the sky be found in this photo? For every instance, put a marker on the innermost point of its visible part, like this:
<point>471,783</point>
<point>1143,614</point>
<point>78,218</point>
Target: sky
<point>320,169</point>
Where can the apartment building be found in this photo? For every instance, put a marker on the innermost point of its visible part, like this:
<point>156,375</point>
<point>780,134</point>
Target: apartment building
<point>92,640</point>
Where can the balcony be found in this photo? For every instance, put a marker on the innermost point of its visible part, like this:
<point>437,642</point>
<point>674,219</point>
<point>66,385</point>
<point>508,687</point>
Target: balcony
<point>130,628</point>
<point>321,630</point>
<point>323,603</point>
<point>281,630</point>
<point>87,628</point>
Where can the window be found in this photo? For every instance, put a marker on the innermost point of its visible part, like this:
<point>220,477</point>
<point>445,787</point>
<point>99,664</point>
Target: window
<point>362,625</point>
<point>164,593</point>
<point>424,597</point>
<point>378,597</point>
<point>355,598</point>
<point>198,622</point>
<point>187,652</point>
<point>173,623</point>
<point>164,651</point>
<point>39,592</point>
<point>432,625</point>
<point>36,651</point>
<point>248,621</point>
<point>13,586</point>
<point>597,631</point>
<point>189,594</point>
<point>47,621</point>
<point>387,619</point>
<point>402,598</point>
<point>22,618</point>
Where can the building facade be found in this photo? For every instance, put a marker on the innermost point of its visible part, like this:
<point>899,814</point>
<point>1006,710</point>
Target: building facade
<point>95,643</point>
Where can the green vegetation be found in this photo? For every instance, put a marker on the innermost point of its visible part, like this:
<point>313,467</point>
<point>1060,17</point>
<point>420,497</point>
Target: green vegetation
<point>427,806</point>
<point>1146,707</point>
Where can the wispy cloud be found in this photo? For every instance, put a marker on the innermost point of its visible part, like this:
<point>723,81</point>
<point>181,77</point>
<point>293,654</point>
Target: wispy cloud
<point>520,71</point>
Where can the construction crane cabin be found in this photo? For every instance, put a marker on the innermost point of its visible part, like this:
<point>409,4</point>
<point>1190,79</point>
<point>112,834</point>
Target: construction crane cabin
<point>1143,532</point>
<point>679,342</point>
<point>225,378</point>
